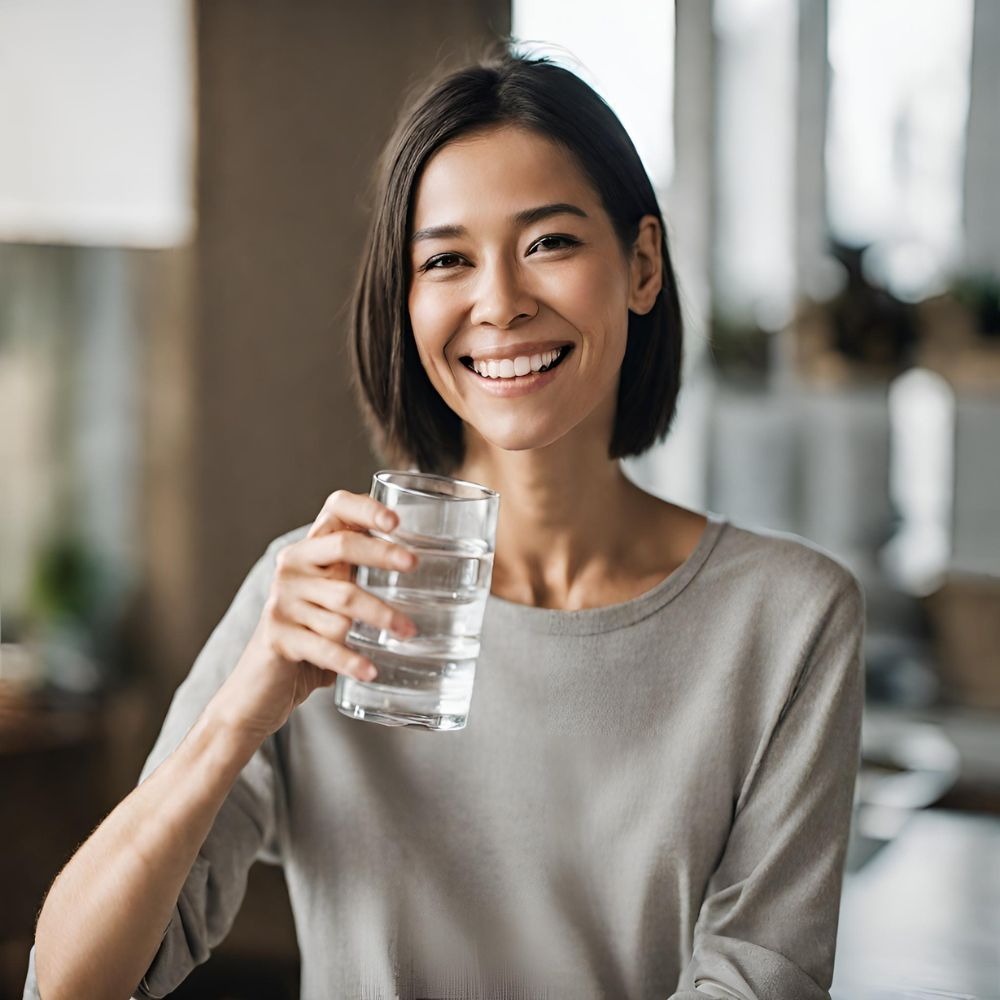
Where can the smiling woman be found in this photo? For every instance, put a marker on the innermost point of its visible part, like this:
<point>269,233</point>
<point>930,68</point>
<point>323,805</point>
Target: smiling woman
<point>653,795</point>
<point>510,287</point>
<point>517,324</point>
<point>514,217</point>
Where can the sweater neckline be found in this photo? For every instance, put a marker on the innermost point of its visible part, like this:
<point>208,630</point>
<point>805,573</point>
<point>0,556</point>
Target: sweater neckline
<point>588,621</point>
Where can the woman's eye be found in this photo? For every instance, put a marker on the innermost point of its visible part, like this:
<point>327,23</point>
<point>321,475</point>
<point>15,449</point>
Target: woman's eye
<point>434,262</point>
<point>566,241</point>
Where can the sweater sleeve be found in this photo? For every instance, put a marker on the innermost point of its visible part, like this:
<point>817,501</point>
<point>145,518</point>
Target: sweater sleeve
<point>245,828</point>
<point>767,927</point>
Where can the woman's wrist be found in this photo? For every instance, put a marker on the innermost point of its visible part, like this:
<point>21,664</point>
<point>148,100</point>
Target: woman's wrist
<point>226,742</point>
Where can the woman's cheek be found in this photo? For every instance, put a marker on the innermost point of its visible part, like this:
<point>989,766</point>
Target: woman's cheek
<point>418,315</point>
<point>430,317</point>
<point>431,339</point>
<point>595,287</point>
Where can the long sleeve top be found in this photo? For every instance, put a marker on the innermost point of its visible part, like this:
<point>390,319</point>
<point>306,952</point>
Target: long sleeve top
<point>650,799</point>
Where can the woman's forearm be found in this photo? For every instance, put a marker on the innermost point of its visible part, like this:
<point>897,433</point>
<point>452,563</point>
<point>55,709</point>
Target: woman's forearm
<point>105,914</point>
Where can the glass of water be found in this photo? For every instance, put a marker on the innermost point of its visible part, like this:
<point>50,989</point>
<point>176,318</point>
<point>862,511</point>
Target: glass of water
<point>450,525</point>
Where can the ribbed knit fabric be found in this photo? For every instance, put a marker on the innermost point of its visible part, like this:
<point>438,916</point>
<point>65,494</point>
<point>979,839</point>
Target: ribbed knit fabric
<point>650,800</point>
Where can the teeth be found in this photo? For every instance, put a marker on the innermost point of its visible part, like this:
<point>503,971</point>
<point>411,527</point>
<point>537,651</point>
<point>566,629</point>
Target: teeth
<point>514,367</point>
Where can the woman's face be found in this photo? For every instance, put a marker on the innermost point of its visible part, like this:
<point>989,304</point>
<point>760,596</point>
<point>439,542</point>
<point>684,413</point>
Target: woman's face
<point>513,256</point>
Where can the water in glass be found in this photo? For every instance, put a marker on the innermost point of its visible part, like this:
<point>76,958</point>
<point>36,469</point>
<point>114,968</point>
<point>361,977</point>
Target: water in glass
<point>426,680</point>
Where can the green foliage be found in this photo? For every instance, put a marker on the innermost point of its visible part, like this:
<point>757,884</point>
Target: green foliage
<point>740,351</point>
<point>980,293</point>
<point>67,583</point>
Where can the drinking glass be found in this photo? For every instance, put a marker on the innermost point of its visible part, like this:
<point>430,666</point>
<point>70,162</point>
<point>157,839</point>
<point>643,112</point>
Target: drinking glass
<point>450,525</point>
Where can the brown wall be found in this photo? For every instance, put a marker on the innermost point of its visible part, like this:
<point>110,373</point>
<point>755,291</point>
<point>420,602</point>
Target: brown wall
<point>253,423</point>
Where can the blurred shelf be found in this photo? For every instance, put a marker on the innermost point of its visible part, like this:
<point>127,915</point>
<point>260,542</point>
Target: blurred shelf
<point>975,733</point>
<point>28,723</point>
<point>64,764</point>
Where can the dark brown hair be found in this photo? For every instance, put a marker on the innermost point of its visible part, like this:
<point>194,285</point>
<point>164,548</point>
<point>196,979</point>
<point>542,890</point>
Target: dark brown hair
<point>409,421</point>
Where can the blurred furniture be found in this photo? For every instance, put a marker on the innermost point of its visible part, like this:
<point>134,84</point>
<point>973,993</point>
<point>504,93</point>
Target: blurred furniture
<point>906,765</point>
<point>965,617</point>
<point>813,460</point>
<point>921,895</point>
<point>63,767</point>
<point>922,918</point>
<point>974,734</point>
<point>54,789</point>
<point>977,480</point>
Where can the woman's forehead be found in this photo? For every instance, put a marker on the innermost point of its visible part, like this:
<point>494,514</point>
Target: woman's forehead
<point>501,172</point>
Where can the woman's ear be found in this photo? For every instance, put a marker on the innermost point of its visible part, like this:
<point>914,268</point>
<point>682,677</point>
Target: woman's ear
<point>646,267</point>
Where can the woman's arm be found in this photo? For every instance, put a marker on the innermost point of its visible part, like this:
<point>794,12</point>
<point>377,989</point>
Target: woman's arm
<point>122,885</point>
<point>767,928</point>
<point>159,883</point>
<point>135,899</point>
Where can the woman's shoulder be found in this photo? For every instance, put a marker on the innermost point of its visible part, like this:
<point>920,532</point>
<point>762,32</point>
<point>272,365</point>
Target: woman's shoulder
<point>780,561</point>
<point>260,573</point>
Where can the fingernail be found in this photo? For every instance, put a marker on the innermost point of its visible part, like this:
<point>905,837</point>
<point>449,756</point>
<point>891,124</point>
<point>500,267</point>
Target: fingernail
<point>386,521</point>
<point>368,673</point>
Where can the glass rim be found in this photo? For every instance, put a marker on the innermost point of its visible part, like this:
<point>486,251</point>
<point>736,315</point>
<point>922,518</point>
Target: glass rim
<point>487,493</point>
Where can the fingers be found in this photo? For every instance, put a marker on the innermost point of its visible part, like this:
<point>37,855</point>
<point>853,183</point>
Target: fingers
<point>344,602</point>
<point>357,511</point>
<point>301,644</point>
<point>327,624</point>
<point>314,555</point>
<point>314,598</point>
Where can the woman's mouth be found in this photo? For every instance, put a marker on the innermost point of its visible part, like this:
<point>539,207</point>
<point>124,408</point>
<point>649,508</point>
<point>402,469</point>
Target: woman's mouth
<point>517,385</point>
<point>562,352</point>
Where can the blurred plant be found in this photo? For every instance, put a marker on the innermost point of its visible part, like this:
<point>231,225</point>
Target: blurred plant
<point>871,326</point>
<point>67,613</point>
<point>740,349</point>
<point>980,294</point>
<point>63,585</point>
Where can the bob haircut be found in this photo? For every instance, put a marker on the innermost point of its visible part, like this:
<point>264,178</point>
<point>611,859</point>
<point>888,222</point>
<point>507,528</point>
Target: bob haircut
<point>409,421</point>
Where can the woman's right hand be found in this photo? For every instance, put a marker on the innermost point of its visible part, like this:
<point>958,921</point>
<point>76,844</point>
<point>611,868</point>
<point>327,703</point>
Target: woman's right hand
<point>298,644</point>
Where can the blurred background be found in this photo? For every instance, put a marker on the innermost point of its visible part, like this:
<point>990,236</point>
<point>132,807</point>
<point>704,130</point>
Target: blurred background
<point>184,194</point>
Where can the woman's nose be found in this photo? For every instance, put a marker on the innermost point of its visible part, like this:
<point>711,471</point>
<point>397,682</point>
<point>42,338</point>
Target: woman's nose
<point>500,295</point>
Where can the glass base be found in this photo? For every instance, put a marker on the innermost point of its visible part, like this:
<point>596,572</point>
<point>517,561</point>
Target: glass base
<point>369,703</point>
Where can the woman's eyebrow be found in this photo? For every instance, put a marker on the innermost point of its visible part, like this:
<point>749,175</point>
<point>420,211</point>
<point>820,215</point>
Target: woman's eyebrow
<point>525,217</point>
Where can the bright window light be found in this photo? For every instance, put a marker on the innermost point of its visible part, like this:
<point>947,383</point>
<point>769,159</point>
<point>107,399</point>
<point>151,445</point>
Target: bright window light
<point>627,58</point>
<point>757,63</point>
<point>921,478</point>
<point>97,120</point>
<point>895,152</point>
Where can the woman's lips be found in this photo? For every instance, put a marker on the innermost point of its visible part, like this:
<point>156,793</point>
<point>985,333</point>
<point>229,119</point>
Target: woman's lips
<point>520,384</point>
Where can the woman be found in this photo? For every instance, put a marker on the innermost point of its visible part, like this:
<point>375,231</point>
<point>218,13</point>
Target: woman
<point>653,794</point>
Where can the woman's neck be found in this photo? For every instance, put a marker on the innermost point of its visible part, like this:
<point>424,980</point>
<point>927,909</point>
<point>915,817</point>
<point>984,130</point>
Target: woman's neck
<point>573,537</point>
